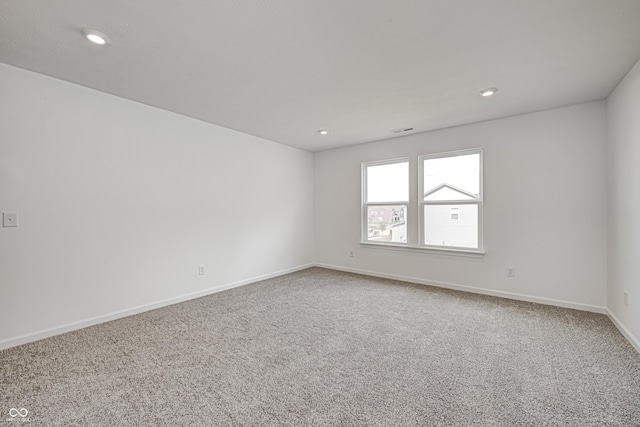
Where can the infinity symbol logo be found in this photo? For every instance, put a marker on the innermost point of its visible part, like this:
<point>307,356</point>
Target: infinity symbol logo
<point>15,412</point>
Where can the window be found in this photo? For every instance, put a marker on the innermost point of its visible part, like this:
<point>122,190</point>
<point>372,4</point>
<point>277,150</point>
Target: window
<point>385,189</point>
<point>455,213</point>
<point>451,200</point>
<point>449,205</point>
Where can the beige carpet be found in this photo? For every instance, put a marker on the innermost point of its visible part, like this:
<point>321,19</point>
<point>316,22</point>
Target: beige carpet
<point>320,347</point>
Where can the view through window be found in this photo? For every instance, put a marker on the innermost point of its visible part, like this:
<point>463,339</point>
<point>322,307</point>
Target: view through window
<point>449,205</point>
<point>386,200</point>
<point>451,199</point>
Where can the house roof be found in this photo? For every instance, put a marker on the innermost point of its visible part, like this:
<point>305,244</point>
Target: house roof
<point>450,187</point>
<point>396,224</point>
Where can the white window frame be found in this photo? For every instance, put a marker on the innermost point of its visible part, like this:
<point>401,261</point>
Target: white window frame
<point>365,203</point>
<point>422,203</point>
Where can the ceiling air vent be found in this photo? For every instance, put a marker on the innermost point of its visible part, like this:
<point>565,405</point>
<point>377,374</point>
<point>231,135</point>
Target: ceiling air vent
<point>402,130</point>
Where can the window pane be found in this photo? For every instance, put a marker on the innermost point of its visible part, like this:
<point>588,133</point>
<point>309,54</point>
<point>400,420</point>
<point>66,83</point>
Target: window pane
<point>452,178</point>
<point>388,183</point>
<point>441,229</point>
<point>387,223</point>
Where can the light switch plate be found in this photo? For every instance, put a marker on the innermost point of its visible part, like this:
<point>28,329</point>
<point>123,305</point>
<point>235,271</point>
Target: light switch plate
<point>9,219</point>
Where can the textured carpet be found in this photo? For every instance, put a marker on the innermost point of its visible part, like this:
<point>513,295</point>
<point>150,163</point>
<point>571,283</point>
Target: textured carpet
<point>320,347</point>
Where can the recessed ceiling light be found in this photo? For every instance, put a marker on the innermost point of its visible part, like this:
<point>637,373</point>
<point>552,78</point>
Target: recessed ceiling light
<point>96,36</point>
<point>322,132</point>
<point>488,91</point>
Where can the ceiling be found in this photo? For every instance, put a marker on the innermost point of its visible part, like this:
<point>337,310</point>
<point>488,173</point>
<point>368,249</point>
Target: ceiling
<point>283,69</point>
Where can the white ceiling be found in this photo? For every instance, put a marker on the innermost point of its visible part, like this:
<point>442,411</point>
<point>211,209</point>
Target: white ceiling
<point>282,69</point>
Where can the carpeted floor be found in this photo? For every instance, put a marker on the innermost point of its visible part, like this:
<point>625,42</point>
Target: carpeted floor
<point>320,347</point>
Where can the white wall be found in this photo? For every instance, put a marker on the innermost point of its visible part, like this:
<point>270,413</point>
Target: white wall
<point>623,108</point>
<point>545,208</point>
<point>119,203</point>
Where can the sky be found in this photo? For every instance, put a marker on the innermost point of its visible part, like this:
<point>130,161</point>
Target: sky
<point>390,183</point>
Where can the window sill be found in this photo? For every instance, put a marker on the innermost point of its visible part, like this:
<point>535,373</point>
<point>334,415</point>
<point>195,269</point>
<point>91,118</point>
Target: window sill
<point>471,253</point>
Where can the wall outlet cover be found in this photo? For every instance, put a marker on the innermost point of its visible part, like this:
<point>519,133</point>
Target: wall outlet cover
<point>9,219</point>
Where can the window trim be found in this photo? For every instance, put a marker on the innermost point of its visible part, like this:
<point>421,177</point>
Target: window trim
<point>364,204</point>
<point>422,203</point>
<point>470,253</point>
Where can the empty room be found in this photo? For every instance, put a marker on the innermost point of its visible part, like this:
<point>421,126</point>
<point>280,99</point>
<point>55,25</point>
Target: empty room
<point>323,213</point>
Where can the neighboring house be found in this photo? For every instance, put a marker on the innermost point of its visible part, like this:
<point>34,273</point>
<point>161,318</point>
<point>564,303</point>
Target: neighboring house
<point>387,223</point>
<point>398,232</point>
<point>450,224</point>
<point>386,214</point>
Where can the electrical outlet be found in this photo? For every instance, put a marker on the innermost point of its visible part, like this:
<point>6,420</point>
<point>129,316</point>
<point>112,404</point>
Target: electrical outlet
<point>9,219</point>
<point>351,254</point>
<point>511,272</point>
<point>201,270</point>
<point>626,299</point>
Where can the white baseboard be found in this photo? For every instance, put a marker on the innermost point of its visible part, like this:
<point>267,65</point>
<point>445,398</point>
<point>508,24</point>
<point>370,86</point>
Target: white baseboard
<point>635,342</point>
<point>57,330</point>
<point>482,291</point>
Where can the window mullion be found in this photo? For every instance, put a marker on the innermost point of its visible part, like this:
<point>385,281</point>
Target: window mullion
<point>451,202</point>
